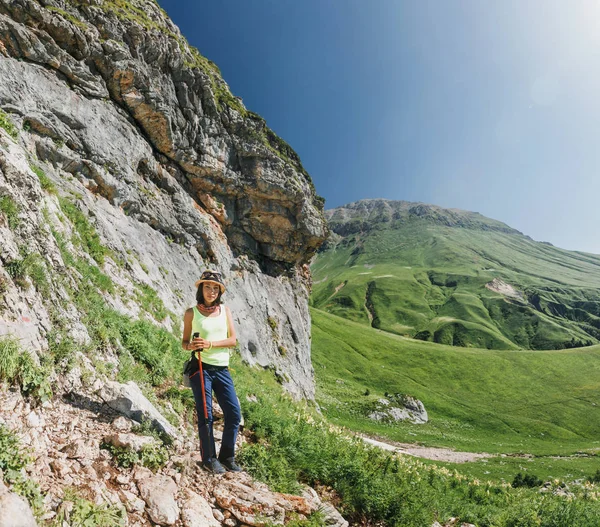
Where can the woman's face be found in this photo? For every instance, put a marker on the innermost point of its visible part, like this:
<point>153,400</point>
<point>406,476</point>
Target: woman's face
<point>210,292</point>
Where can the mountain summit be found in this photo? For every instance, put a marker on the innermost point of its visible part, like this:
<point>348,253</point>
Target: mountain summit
<point>455,277</point>
<point>366,213</point>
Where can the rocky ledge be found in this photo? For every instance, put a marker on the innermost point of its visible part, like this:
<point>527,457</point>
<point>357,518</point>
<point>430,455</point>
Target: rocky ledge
<point>69,442</point>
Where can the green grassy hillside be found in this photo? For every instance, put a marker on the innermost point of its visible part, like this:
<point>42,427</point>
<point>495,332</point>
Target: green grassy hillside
<point>421,271</point>
<point>545,403</point>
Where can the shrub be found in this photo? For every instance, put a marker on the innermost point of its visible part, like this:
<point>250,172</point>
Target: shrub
<point>30,265</point>
<point>124,457</point>
<point>270,465</point>
<point>152,346</point>
<point>11,458</point>
<point>9,359</point>
<point>153,456</point>
<point>85,513</point>
<point>527,480</point>
<point>18,367</point>
<point>316,519</point>
<point>595,478</point>
<point>62,349</point>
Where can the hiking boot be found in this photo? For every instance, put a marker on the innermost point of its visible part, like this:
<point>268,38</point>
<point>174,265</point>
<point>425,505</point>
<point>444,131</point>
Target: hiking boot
<point>230,464</point>
<point>214,466</point>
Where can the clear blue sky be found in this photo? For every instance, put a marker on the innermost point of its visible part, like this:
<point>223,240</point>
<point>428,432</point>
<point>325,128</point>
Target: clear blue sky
<point>491,107</point>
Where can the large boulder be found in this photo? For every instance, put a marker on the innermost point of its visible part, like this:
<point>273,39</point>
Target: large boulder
<point>399,407</point>
<point>129,400</point>
<point>159,493</point>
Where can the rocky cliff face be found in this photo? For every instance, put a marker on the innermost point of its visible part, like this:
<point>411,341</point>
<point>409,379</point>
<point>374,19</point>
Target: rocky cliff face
<point>127,167</point>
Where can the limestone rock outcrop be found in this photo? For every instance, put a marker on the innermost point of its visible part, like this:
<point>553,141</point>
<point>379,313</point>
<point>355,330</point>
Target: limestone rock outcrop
<point>399,407</point>
<point>106,106</point>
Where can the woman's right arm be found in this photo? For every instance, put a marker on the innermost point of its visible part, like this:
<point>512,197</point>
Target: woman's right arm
<point>187,329</point>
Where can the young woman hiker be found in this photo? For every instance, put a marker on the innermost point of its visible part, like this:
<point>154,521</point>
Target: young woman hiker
<point>208,329</point>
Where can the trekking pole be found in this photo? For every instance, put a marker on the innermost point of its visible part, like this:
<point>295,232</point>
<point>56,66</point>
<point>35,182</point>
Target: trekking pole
<point>195,336</point>
<point>203,392</point>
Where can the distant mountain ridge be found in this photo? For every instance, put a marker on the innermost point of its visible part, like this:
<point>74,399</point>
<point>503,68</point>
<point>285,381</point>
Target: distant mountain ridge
<point>454,277</point>
<point>369,212</point>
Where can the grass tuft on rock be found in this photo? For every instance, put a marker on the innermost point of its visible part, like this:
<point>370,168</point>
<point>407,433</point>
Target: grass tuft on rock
<point>8,125</point>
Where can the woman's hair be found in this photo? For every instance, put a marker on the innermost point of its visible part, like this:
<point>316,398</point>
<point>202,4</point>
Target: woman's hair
<point>200,296</point>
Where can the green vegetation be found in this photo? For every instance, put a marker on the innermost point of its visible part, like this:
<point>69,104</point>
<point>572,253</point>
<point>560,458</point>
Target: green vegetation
<point>68,16</point>
<point>540,403</point>
<point>152,456</point>
<point>314,520</point>
<point>12,463</point>
<point>62,349</point>
<point>425,277</point>
<point>29,265</point>
<point>124,10</point>
<point>151,302</point>
<point>88,237</point>
<point>45,181</point>
<point>154,348</point>
<point>18,367</point>
<point>527,480</point>
<point>11,210</point>
<point>91,274</point>
<point>292,443</point>
<point>8,125</point>
<point>87,514</point>
<point>148,354</point>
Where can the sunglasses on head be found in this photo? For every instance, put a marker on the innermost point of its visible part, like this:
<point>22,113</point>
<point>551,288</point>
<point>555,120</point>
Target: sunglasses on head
<point>211,276</point>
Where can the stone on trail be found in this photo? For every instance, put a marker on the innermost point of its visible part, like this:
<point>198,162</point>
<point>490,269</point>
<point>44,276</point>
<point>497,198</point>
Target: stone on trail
<point>159,494</point>
<point>14,510</point>
<point>197,512</point>
<point>130,441</point>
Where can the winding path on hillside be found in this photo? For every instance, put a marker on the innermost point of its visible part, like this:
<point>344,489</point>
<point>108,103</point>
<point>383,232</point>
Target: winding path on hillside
<point>433,453</point>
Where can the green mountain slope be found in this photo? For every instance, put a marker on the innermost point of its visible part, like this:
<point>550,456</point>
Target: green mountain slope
<point>456,278</point>
<point>539,402</point>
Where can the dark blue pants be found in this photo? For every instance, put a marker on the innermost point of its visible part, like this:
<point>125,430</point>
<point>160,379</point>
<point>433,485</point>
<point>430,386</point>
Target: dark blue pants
<point>217,379</point>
